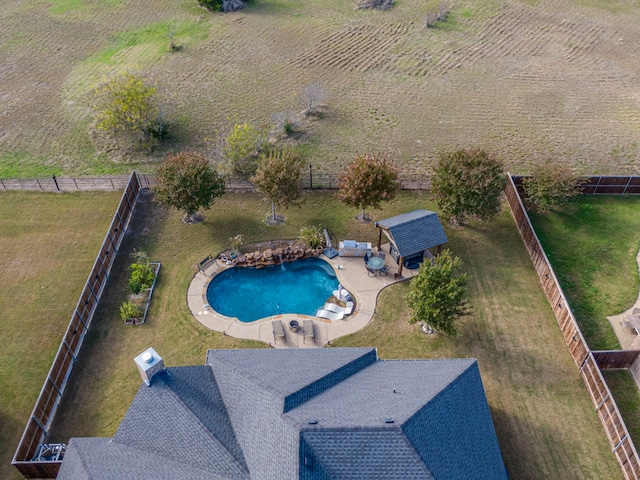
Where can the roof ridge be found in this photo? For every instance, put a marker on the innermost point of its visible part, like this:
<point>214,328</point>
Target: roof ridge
<point>204,428</point>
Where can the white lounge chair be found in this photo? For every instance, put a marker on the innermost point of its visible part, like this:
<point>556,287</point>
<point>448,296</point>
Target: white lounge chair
<point>332,307</point>
<point>342,295</point>
<point>333,316</point>
<point>348,309</point>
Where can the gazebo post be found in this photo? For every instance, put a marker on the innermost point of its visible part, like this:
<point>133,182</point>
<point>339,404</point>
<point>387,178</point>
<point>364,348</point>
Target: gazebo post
<point>401,263</point>
<point>379,238</point>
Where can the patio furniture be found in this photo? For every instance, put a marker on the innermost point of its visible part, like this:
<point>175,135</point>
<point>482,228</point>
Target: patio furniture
<point>278,331</point>
<point>342,294</point>
<point>348,309</point>
<point>307,331</point>
<point>329,315</point>
<point>375,266</point>
<point>294,325</point>
<point>332,307</point>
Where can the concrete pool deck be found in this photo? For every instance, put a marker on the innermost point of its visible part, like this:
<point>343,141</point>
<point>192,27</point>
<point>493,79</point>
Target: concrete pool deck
<point>351,273</point>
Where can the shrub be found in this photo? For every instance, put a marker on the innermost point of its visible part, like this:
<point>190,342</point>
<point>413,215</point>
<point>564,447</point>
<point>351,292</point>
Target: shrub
<point>549,186</point>
<point>142,276</point>
<point>212,5</point>
<point>129,310</point>
<point>312,236</point>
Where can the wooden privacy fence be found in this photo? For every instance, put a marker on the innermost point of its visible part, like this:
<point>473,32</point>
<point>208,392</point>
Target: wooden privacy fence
<point>309,180</point>
<point>54,385</point>
<point>621,444</point>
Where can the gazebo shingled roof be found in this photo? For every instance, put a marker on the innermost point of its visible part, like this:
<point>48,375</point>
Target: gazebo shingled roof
<point>413,232</point>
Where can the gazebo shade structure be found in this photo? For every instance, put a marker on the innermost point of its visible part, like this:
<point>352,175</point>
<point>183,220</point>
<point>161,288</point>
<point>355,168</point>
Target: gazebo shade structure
<point>412,233</point>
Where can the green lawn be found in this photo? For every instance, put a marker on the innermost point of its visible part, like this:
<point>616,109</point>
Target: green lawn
<point>544,420</point>
<point>592,245</point>
<point>48,244</point>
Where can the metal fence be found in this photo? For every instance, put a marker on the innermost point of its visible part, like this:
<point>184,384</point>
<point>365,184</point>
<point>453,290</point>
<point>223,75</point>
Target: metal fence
<point>54,386</point>
<point>309,181</point>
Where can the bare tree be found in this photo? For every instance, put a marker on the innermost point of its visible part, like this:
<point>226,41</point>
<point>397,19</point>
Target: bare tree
<point>313,97</point>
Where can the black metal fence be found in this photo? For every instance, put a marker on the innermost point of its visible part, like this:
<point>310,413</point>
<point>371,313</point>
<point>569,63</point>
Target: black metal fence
<point>310,180</point>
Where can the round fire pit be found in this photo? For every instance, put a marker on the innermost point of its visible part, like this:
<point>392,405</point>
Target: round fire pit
<point>294,325</point>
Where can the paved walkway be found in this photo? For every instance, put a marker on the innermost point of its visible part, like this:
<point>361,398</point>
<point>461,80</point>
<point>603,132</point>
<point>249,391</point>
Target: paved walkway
<point>628,340</point>
<point>351,274</point>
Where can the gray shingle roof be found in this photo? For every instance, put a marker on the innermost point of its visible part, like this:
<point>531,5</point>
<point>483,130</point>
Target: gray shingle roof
<point>359,454</point>
<point>368,398</point>
<point>182,417</point>
<point>101,458</point>
<point>415,231</point>
<point>247,415</point>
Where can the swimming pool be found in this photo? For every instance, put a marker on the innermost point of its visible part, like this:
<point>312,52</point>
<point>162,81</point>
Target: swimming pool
<point>302,287</point>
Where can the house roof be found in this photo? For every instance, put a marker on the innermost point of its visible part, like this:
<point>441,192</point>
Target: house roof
<point>414,231</point>
<point>308,414</point>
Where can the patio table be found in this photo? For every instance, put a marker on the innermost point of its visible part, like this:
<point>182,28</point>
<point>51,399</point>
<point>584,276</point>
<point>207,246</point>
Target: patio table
<point>375,263</point>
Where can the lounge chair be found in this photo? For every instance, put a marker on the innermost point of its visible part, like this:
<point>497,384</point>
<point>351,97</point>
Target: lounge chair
<point>342,295</point>
<point>348,309</point>
<point>332,307</point>
<point>278,332</point>
<point>333,316</point>
<point>307,331</point>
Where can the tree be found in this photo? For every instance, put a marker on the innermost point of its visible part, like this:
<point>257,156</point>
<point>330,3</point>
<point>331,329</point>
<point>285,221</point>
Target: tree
<point>313,97</point>
<point>188,182</point>
<point>278,178</point>
<point>437,295</point>
<point>468,183</point>
<point>368,181</point>
<point>550,185</point>
<point>243,147</point>
<point>125,104</point>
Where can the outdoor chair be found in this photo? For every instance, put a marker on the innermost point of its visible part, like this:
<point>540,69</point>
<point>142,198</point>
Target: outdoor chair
<point>329,315</point>
<point>278,332</point>
<point>348,309</point>
<point>382,255</point>
<point>332,307</point>
<point>307,331</point>
<point>384,270</point>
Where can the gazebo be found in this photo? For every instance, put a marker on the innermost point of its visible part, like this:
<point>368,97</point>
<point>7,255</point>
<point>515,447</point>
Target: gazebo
<point>412,233</point>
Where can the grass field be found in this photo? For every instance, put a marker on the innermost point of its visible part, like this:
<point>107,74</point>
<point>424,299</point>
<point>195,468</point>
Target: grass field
<point>49,243</point>
<point>525,80</point>
<point>592,245</point>
<point>544,419</point>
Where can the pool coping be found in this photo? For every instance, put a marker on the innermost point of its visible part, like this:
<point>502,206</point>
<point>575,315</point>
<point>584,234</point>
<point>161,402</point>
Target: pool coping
<point>351,273</point>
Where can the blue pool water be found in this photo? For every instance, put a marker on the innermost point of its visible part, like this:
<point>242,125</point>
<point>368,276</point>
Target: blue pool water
<point>302,287</point>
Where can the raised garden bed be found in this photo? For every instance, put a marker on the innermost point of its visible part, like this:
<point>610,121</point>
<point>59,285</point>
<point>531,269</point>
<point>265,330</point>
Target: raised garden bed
<point>142,300</point>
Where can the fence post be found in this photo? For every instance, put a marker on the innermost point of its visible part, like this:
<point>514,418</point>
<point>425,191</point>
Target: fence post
<point>310,176</point>
<point>75,183</point>
<point>39,184</point>
<point>3,185</point>
<point>55,180</point>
